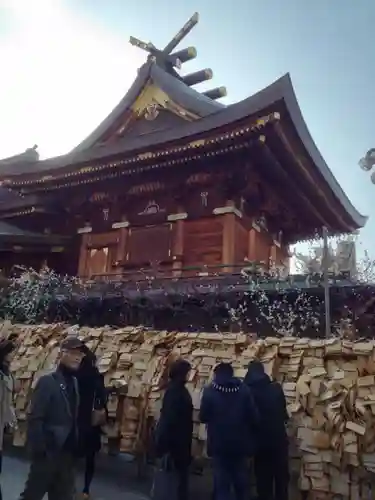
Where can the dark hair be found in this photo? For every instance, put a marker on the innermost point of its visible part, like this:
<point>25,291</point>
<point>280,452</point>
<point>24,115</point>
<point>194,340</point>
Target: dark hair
<point>85,349</point>
<point>224,369</point>
<point>6,347</point>
<point>256,367</point>
<point>88,363</point>
<point>179,369</point>
<point>255,372</point>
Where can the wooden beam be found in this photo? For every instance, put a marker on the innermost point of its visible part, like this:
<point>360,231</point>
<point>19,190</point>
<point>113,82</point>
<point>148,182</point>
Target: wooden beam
<point>273,254</point>
<point>83,255</point>
<point>178,246</point>
<point>121,246</point>
<point>251,255</point>
<point>229,239</point>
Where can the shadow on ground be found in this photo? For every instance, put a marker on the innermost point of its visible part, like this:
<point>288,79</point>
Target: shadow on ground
<point>117,477</point>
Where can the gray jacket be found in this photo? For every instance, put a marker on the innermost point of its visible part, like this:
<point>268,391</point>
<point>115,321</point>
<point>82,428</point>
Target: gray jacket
<point>50,418</point>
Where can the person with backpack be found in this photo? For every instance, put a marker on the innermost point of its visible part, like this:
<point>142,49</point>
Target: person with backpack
<point>271,456</point>
<point>231,416</point>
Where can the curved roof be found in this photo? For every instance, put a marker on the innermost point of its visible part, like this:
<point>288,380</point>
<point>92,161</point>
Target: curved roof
<point>281,90</point>
<point>10,233</point>
<point>8,197</point>
<point>176,89</point>
<point>20,163</point>
<point>213,116</point>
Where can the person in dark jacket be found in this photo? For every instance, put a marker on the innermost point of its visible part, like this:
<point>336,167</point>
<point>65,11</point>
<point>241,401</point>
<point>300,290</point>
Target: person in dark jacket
<point>228,409</point>
<point>52,431</point>
<point>271,457</point>
<point>7,412</point>
<point>93,398</point>
<point>174,431</point>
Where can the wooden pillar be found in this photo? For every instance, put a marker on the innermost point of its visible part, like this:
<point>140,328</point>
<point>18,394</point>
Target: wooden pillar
<point>178,228</point>
<point>121,246</point>
<point>251,253</point>
<point>273,255</point>
<point>83,255</point>
<point>229,240</point>
<point>123,231</point>
<point>178,248</point>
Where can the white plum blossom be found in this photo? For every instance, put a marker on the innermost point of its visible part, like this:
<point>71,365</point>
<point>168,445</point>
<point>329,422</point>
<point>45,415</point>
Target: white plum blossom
<point>27,298</point>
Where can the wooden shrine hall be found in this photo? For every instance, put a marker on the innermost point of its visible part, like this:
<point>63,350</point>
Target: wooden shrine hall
<point>173,181</point>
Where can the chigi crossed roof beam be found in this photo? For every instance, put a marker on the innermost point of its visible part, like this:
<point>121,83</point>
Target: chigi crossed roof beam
<point>164,57</point>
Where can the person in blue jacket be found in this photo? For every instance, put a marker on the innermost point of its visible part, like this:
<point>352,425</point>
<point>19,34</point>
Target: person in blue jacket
<point>271,457</point>
<point>228,409</point>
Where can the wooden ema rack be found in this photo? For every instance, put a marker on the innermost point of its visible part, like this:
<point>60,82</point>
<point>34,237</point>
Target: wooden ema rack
<point>329,387</point>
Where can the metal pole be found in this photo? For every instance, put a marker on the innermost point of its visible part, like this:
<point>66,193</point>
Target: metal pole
<point>327,305</point>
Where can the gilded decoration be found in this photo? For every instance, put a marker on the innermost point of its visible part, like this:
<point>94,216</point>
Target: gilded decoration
<point>97,197</point>
<point>150,101</point>
<point>152,208</point>
<point>147,187</point>
<point>105,213</point>
<point>151,112</point>
<point>204,198</point>
<point>145,156</point>
<point>199,178</point>
<point>197,144</point>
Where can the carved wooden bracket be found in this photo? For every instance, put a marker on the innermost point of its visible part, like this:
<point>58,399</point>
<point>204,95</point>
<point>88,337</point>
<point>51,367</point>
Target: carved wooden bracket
<point>227,210</point>
<point>199,178</point>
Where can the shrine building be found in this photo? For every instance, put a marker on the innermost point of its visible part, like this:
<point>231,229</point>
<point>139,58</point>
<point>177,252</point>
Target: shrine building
<point>175,182</point>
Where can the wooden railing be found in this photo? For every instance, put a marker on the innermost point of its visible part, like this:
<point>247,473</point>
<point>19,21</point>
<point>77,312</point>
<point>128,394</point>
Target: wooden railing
<point>148,273</point>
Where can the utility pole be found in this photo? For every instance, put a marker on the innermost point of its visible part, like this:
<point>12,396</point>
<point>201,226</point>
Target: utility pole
<point>327,304</point>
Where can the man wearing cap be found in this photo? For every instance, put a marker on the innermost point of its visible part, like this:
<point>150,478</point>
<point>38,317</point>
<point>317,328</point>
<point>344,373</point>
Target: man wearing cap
<point>52,428</point>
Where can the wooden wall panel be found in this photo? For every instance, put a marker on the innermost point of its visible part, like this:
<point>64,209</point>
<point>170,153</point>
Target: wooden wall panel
<point>98,261</point>
<point>103,239</point>
<point>146,245</point>
<point>98,253</point>
<point>203,240</point>
<point>242,243</point>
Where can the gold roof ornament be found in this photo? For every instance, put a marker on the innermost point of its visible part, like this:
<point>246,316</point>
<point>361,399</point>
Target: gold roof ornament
<point>151,112</point>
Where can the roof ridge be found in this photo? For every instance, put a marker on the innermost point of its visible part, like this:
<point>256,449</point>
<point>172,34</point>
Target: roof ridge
<point>30,155</point>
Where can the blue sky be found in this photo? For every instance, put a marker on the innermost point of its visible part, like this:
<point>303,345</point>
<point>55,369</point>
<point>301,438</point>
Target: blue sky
<point>67,63</point>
